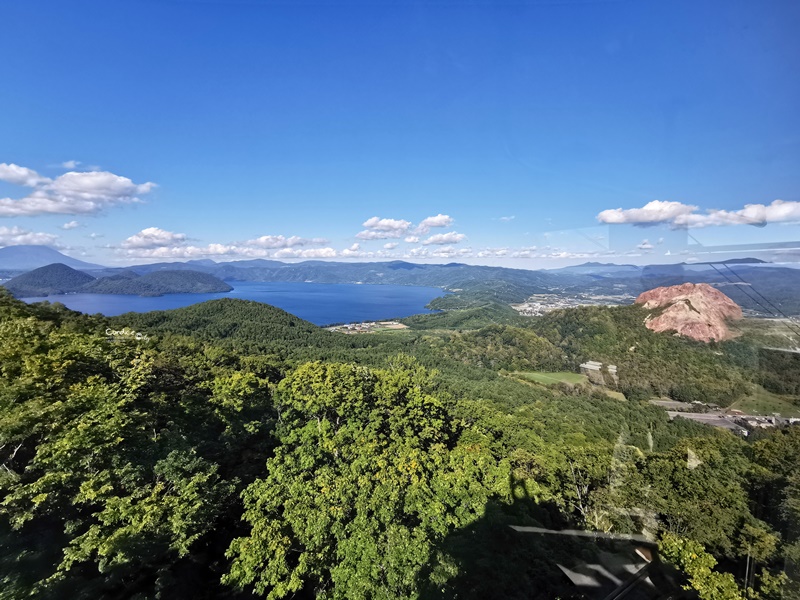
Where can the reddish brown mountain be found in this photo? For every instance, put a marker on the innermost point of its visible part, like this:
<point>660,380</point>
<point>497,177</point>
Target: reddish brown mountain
<point>698,311</point>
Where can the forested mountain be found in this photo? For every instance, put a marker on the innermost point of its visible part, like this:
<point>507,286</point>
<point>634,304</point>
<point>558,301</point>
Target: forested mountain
<point>51,279</point>
<point>61,279</point>
<point>234,449</point>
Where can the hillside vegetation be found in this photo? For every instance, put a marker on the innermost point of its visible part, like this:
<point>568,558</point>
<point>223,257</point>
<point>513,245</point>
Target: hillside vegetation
<point>240,451</point>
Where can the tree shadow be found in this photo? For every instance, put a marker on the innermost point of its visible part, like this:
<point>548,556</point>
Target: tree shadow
<point>489,559</point>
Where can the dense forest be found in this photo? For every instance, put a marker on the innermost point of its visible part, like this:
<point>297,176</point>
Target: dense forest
<point>234,450</point>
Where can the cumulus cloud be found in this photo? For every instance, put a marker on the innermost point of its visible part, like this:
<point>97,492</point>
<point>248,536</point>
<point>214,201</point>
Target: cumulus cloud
<point>493,253</point>
<point>451,237</point>
<point>679,215</point>
<point>652,213</point>
<point>12,236</point>
<point>371,234</point>
<point>379,224</point>
<point>645,245</point>
<point>69,194</point>
<point>155,242</point>
<point>17,175</point>
<point>279,241</point>
<point>71,164</point>
<point>70,225</point>
<point>184,252</point>
<point>778,211</point>
<point>390,245</point>
<point>381,229</point>
<point>439,220</point>
<point>377,228</point>
<point>153,237</point>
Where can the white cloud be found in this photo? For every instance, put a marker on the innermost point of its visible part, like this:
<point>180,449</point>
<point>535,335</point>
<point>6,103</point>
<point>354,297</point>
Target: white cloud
<point>69,194</point>
<point>778,211</point>
<point>17,175</point>
<point>71,164</point>
<point>390,245</point>
<point>412,239</point>
<point>511,218</point>
<point>381,229</point>
<point>12,236</point>
<point>645,245</point>
<point>451,237</point>
<point>94,236</point>
<point>153,237</point>
<point>279,241</point>
<point>308,253</point>
<point>71,225</point>
<point>493,253</point>
<point>652,213</point>
<point>679,215</point>
<point>442,252</point>
<point>178,252</point>
<point>353,250</point>
<point>379,224</point>
<point>371,234</point>
<point>154,242</point>
<point>439,220</point>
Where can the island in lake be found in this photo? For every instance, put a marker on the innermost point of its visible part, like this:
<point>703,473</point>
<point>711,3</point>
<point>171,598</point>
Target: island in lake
<point>58,279</point>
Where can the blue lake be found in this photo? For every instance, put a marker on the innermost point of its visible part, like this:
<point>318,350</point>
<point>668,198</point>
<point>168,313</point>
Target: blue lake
<point>320,303</point>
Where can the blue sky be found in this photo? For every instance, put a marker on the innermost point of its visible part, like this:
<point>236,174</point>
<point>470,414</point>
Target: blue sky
<point>529,134</point>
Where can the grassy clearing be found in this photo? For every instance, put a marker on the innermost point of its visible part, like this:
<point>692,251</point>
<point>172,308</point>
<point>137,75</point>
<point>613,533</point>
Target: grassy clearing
<point>762,402</point>
<point>561,377</point>
<point>552,378</point>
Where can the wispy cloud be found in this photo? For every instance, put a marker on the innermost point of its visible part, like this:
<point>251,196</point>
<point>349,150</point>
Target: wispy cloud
<point>70,225</point>
<point>279,241</point>
<point>307,253</point>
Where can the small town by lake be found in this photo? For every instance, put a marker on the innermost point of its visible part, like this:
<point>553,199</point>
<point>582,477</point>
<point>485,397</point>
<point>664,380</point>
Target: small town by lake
<point>320,303</point>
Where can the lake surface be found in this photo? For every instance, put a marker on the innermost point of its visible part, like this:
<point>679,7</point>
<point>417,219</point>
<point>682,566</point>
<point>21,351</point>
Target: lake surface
<point>320,303</point>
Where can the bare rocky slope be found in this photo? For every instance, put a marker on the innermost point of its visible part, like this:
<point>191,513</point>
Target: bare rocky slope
<point>694,310</point>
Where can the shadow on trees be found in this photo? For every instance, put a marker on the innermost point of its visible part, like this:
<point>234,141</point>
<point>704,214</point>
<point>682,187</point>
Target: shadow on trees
<point>490,560</point>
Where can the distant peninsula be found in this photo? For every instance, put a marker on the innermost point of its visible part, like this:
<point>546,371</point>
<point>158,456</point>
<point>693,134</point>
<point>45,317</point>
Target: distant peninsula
<point>58,279</point>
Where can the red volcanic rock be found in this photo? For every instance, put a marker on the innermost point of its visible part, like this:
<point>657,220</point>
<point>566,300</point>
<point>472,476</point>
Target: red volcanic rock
<point>698,311</point>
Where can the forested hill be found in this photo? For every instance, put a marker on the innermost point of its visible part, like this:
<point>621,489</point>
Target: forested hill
<point>45,281</point>
<point>60,279</point>
<point>158,283</point>
<point>232,321</point>
<point>194,462</point>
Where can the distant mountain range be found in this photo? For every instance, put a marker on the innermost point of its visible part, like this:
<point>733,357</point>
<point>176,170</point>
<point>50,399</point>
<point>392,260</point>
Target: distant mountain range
<point>755,285</point>
<point>60,279</point>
